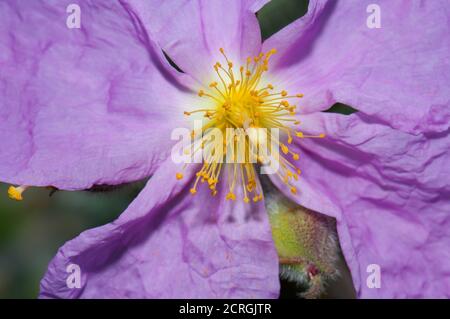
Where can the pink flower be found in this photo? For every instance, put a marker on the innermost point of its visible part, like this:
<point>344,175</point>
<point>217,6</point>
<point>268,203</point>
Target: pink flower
<point>96,106</point>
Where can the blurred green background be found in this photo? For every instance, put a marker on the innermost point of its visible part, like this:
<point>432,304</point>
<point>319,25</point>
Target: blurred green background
<point>31,231</point>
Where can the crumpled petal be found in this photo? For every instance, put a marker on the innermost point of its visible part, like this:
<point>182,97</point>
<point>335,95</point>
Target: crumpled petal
<point>389,191</point>
<point>170,244</point>
<point>398,74</point>
<point>191,32</point>
<point>82,106</point>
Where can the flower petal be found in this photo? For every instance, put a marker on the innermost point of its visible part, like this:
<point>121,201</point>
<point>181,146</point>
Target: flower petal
<point>389,191</point>
<point>398,73</point>
<point>170,244</point>
<point>82,106</point>
<point>191,32</point>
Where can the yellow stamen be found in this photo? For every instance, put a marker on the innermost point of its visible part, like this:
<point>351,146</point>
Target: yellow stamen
<point>15,193</point>
<point>239,100</point>
<point>301,135</point>
<point>230,196</point>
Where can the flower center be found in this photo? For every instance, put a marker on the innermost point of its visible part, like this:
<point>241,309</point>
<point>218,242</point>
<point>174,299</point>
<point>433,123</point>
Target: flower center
<point>247,113</point>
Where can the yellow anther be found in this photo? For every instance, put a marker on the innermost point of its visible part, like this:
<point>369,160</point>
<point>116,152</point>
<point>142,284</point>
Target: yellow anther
<point>16,192</point>
<point>208,114</point>
<point>270,86</point>
<point>246,199</point>
<point>284,93</point>
<point>295,156</point>
<point>293,190</point>
<point>284,149</point>
<point>261,159</point>
<point>257,197</point>
<point>299,95</point>
<point>179,176</point>
<point>187,113</point>
<point>301,135</point>
<point>201,93</point>
<point>222,50</point>
<point>193,191</point>
<point>213,84</point>
<point>230,196</point>
<point>230,64</point>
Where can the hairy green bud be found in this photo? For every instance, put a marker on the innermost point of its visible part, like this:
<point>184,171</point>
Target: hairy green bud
<point>306,242</point>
